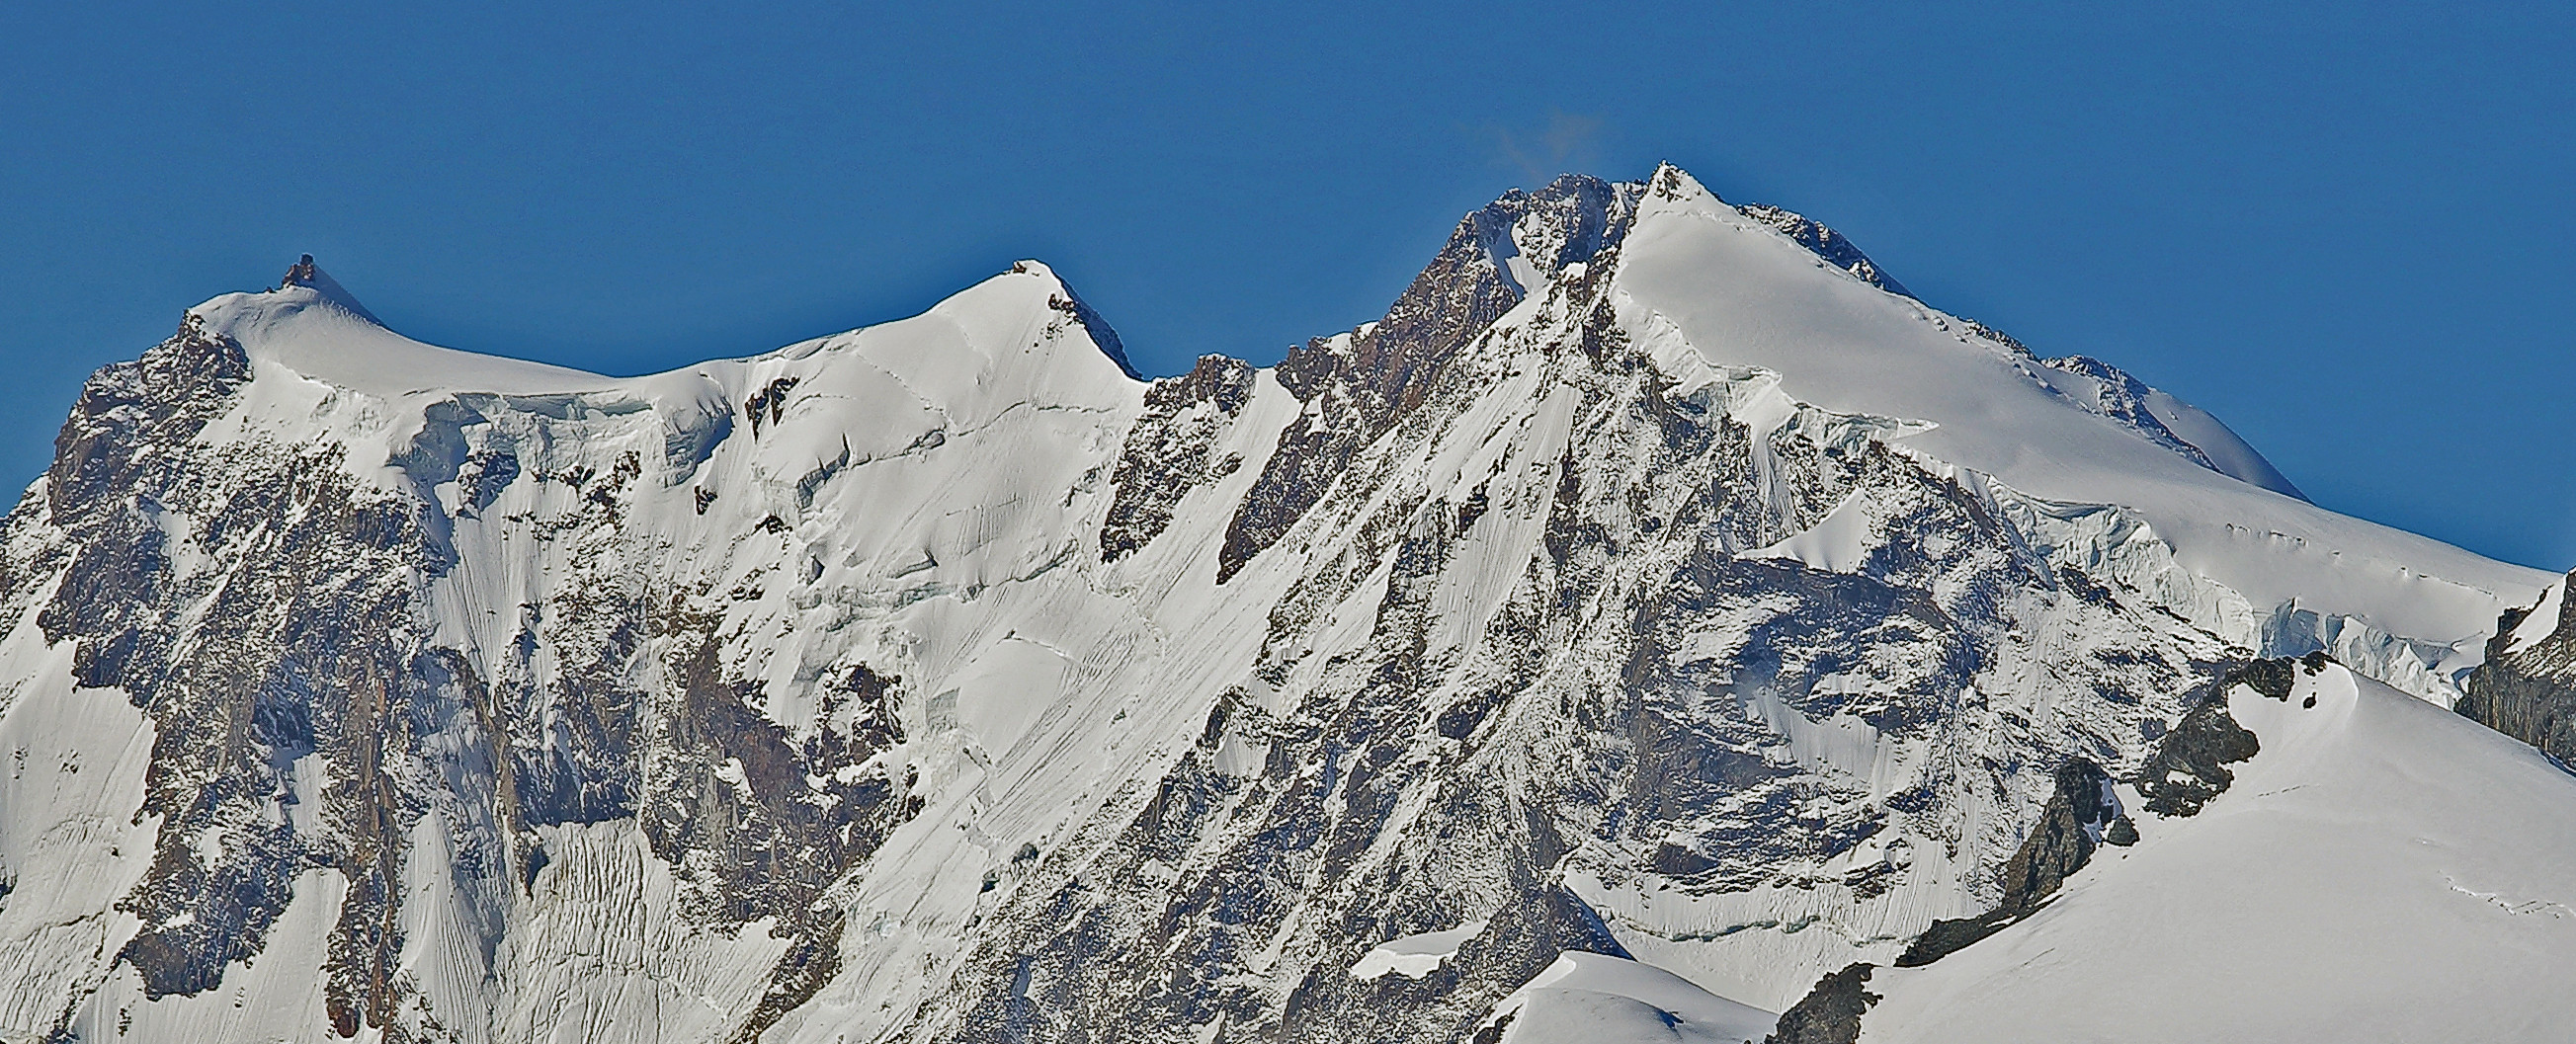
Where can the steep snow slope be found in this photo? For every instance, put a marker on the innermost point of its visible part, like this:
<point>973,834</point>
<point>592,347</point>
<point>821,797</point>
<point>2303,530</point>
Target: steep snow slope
<point>1652,581</point>
<point>1736,295</point>
<point>1589,998</point>
<point>2378,871</point>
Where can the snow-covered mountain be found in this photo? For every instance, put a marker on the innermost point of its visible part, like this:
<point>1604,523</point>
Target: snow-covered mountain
<point>1655,611</point>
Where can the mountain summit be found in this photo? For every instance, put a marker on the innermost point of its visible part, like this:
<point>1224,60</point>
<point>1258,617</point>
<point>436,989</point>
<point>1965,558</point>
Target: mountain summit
<point>1656,614</point>
<point>304,273</point>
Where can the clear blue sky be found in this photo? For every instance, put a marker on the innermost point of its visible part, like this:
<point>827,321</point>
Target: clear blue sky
<point>2344,233</point>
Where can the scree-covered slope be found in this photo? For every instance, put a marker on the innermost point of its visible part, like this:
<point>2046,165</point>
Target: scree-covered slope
<point>1655,611</point>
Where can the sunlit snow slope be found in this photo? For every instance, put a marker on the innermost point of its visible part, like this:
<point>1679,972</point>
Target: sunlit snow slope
<point>1736,294</point>
<point>2379,871</point>
<point>1656,599</point>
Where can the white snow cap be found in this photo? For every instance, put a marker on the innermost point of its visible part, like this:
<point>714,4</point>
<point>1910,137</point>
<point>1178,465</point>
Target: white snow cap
<point>1723,291</point>
<point>1099,329</point>
<point>315,327</point>
<point>305,273</point>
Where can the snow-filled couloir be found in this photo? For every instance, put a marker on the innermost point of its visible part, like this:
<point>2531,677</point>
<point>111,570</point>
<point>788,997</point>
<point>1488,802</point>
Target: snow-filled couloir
<point>1656,583</point>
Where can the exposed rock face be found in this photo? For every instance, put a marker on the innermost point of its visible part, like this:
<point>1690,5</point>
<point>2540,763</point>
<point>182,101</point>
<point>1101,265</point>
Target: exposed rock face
<point>2526,689</point>
<point>1828,244</point>
<point>1357,386</point>
<point>1166,455</point>
<point>2070,827</point>
<point>2079,811</point>
<point>249,671</point>
<point>2186,769</point>
<point>939,681</point>
<point>2124,398</point>
<point>2189,766</point>
<point>1831,1014</point>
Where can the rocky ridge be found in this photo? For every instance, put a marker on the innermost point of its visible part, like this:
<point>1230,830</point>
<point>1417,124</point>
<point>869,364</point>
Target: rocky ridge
<point>2526,688</point>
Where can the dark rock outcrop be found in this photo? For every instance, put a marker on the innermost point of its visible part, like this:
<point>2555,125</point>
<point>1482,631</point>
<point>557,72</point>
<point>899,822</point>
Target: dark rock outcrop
<point>2078,812</point>
<point>2528,693</point>
<point>2123,398</point>
<point>1170,451</point>
<point>2075,816</point>
<point>1830,1013</point>
<point>1359,386</point>
<point>1833,246</point>
<point>2189,766</point>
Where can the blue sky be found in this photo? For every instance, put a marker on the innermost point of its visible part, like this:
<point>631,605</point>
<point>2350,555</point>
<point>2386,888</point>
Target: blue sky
<point>2344,235</point>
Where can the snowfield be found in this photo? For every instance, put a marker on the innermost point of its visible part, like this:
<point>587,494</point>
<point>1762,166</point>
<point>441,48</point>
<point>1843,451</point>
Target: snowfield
<point>1588,998</point>
<point>2380,871</point>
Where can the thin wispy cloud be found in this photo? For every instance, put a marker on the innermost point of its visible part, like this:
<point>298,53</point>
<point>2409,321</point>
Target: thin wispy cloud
<point>1564,141</point>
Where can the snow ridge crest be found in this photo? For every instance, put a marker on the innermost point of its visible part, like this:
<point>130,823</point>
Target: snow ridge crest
<point>305,273</point>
